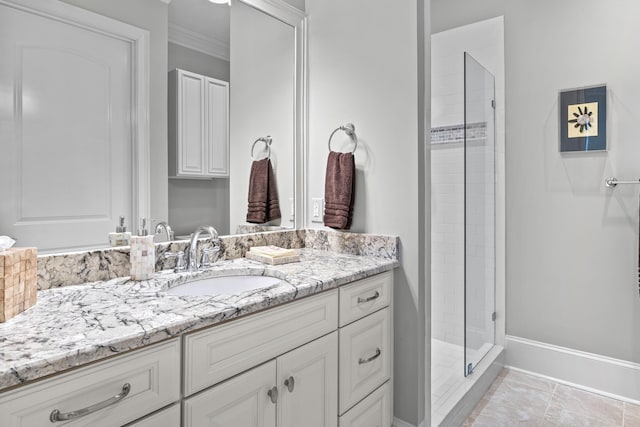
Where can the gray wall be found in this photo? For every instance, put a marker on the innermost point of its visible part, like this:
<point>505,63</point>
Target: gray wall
<point>363,73</point>
<point>197,62</point>
<point>571,243</point>
<point>198,202</point>
<point>151,15</point>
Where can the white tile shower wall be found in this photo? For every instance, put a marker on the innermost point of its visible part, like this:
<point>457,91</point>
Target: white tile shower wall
<point>447,242</point>
<point>485,42</point>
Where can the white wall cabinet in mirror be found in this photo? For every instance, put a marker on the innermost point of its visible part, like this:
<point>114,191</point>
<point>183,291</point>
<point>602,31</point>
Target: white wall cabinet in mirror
<point>198,126</point>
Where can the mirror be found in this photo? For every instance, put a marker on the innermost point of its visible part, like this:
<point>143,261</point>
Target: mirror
<point>67,195</point>
<point>252,45</point>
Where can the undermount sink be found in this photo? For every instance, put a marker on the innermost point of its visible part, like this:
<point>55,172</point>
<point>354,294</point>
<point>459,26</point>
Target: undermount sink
<point>226,285</point>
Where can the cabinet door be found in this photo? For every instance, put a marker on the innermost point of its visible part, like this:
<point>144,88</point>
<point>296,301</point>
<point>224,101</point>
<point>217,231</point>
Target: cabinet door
<point>191,124</point>
<point>241,401</point>
<point>217,128</point>
<point>308,380</point>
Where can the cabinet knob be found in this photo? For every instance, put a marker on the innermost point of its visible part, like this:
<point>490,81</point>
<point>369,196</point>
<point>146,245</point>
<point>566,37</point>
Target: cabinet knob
<point>273,394</point>
<point>290,384</point>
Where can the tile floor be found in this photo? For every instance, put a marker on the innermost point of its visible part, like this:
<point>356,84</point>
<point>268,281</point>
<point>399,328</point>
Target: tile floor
<point>517,399</point>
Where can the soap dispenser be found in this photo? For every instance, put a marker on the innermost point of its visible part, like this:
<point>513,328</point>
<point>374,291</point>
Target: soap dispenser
<point>121,237</point>
<point>143,254</point>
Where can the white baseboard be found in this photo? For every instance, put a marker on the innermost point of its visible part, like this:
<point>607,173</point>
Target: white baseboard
<point>592,372</point>
<point>397,422</point>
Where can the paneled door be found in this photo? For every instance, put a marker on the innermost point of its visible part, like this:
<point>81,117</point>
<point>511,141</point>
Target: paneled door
<point>247,400</point>
<point>68,125</point>
<point>308,380</point>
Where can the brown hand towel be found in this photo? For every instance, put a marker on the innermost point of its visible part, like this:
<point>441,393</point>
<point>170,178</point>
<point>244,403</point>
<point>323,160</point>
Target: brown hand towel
<point>339,190</point>
<point>263,193</point>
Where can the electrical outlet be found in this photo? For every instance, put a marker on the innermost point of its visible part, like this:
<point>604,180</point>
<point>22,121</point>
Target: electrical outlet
<point>292,217</point>
<point>317,208</point>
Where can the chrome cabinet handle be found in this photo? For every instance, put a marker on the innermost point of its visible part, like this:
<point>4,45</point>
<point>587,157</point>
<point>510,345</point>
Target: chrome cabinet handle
<point>290,384</point>
<point>371,298</point>
<point>56,415</point>
<point>362,361</point>
<point>273,394</point>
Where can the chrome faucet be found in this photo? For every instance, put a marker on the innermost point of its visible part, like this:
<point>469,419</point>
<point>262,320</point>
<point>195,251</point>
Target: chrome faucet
<point>164,226</point>
<point>192,259</point>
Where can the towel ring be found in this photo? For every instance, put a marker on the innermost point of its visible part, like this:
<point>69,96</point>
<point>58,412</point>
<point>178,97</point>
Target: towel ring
<point>267,142</point>
<point>350,130</point>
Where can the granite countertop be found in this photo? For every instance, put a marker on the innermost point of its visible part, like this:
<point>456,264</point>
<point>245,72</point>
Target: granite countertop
<point>74,325</point>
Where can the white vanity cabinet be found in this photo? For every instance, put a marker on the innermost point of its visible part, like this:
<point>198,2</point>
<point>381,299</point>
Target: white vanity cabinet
<point>366,352</point>
<point>296,382</point>
<point>296,389</point>
<point>198,126</point>
<point>322,361</point>
<point>126,388</point>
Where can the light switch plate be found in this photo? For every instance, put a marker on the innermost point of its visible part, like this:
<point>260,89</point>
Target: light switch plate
<point>317,209</point>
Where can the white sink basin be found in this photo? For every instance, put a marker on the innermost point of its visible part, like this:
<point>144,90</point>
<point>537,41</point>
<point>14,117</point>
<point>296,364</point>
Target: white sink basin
<point>227,285</point>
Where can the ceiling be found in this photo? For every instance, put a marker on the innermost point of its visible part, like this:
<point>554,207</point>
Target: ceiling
<point>205,19</point>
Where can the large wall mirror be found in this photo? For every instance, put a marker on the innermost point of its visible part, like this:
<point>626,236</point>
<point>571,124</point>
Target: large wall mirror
<point>258,47</point>
<point>74,122</point>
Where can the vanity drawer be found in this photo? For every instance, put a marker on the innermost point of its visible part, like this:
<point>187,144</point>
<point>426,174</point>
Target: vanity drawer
<point>364,297</point>
<point>220,352</point>
<point>365,357</point>
<point>373,411</point>
<point>152,373</point>
<point>169,417</point>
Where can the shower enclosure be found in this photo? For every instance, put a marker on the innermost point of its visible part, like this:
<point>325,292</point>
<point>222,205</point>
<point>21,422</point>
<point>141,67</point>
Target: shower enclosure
<point>463,232</point>
<point>479,219</point>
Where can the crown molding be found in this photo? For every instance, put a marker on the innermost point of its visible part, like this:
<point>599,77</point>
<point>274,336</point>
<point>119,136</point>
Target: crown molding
<point>196,41</point>
<point>279,9</point>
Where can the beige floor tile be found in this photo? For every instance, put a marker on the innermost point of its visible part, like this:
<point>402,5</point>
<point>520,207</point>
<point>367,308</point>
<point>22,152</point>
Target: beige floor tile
<point>631,415</point>
<point>529,381</point>
<point>512,400</point>
<point>573,407</point>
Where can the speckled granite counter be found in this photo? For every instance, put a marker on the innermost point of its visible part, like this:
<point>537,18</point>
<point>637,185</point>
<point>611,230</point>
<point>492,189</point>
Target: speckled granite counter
<point>74,325</point>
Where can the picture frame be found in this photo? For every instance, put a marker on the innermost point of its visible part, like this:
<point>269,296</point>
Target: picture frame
<point>583,119</point>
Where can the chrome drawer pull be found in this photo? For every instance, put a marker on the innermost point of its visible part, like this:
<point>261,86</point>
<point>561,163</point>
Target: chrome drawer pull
<point>273,394</point>
<point>57,416</point>
<point>362,361</point>
<point>371,298</point>
<point>290,384</point>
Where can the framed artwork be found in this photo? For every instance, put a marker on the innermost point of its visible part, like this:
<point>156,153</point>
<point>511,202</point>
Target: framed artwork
<point>583,119</point>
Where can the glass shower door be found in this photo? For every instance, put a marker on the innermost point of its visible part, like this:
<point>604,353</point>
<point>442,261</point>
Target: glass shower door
<point>479,228</point>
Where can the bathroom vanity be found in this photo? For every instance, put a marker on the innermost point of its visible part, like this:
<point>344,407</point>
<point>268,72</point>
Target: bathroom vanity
<point>315,349</point>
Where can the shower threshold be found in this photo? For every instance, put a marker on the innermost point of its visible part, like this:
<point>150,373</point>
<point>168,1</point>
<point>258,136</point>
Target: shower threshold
<point>453,396</point>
